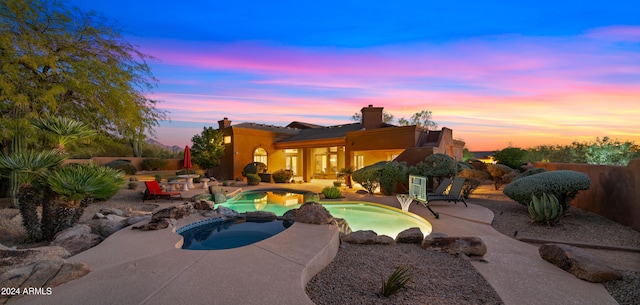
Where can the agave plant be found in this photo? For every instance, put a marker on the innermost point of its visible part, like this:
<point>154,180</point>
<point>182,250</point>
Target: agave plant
<point>396,281</point>
<point>545,209</point>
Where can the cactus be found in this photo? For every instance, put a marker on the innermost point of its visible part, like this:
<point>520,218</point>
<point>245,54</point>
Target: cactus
<point>545,209</point>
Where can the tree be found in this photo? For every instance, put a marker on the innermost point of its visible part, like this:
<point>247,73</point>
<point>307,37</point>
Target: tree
<point>71,63</point>
<point>208,148</point>
<point>511,156</point>
<point>422,119</point>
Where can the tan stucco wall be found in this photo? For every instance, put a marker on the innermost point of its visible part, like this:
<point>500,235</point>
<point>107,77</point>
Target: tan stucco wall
<point>614,192</point>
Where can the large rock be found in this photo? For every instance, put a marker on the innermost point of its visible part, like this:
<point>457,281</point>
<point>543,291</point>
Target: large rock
<point>470,246</point>
<point>343,226</point>
<point>41,274</point>
<point>260,216</point>
<point>410,236</point>
<point>219,198</point>
<point>579,263</point>
<point>175,212</point>
<point>136,219</point>
<point>105,227</point>
<point>76,239</point>
<point>113,211</point>
<point>313,213</point>
<point>203,205</point>
<point>10,259</point>
<point>156,224</point>
<point>227,212</point>
<point>367,237</point>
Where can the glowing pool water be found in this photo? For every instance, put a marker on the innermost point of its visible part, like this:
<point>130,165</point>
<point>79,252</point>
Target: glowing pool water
<point>382,219</point>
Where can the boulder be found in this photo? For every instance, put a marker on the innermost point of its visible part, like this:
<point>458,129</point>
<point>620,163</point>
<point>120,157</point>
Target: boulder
<point>105,227</point>
<point>203,205</point>
<point>136,219</point>
<point>313,213</point>
<point>11,259</point>
<point>219,198</point>
<point>343,226</point>
<point>175,212</point>
<point>410,236</point>
<point>470,246</point>
<point>113,211</point>
<point>367,237</point>
<point>76,239</point>
<point>116,218</point>
<point>199,197</point>
<point>42,274</point>
<point>156,224</point>
<point>579,263</point>
<point>227,212</point>
<point>260,216</point>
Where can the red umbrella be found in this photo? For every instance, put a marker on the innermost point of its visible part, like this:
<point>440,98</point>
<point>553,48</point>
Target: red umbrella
<point>186,162</point>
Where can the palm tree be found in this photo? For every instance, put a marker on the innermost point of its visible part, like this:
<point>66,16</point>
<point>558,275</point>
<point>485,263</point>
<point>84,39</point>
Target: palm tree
<point>30,167</point>
<point>63,130</point>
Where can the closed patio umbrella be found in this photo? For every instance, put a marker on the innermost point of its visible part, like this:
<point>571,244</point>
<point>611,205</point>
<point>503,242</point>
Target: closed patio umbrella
<point>186,162</point>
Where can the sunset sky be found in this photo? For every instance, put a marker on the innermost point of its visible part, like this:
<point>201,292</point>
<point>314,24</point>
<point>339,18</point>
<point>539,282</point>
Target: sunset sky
<point>498,74</point>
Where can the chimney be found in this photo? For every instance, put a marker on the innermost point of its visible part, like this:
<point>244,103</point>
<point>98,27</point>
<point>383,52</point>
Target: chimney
<point>224,123</point>
<point>371,117</point>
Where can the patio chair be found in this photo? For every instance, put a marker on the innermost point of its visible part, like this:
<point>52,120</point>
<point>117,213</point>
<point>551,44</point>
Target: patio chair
<point>442,187</point>
<point>455,193</point>
<point>154,191</point>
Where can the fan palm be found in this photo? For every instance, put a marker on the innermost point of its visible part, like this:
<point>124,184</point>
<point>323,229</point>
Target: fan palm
<point>28,167</point>
<point>63,130</point>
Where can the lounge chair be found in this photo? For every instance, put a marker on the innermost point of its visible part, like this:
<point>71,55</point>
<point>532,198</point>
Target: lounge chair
<point>442,187</point>
<point>153,191</point>
<point>455,193</point>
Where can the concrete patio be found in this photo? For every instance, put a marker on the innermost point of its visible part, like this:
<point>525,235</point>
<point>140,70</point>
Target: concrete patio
<point>135,267</point>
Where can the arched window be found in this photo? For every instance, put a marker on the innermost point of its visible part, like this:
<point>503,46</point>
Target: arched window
<point>260,155</point>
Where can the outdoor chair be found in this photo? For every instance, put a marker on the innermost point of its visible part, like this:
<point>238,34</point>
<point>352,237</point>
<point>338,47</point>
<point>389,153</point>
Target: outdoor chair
<point>442,187</point>
<point>154,191</point>
<point>455,193</point>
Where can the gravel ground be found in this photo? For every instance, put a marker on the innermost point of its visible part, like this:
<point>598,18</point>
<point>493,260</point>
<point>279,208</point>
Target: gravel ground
<point>355,276</point>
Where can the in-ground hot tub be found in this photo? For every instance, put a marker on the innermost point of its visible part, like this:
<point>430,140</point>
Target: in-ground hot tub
<point>218,234</point>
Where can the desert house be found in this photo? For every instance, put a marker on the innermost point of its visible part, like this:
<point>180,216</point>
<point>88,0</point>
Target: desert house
<point>314,151</point>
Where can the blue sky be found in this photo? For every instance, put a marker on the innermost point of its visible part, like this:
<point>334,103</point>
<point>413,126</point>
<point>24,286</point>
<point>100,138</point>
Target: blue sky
<point>497,72</point>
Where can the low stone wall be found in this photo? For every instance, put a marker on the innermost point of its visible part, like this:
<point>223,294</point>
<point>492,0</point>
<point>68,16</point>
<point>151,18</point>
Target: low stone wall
<point>172,164</point>
<point>614,192</point>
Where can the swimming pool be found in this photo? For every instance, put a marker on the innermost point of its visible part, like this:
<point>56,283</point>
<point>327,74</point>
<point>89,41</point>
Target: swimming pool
<point>380,218</point>
<point>218,234</point>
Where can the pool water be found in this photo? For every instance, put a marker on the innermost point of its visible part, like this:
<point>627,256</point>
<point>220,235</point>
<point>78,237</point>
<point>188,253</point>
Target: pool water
<point>217,234</point>
<point>382,219</point>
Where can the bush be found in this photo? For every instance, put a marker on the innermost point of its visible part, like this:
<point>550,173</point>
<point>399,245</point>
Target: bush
<point>132,185</point>
<point>390,174</point>
<point>563,184</point>
<point>153,164</point>
<point>282,176</point>
<point>253,179</point>
<point>501,174</point>
<point>254,168</point>
<point>529,172</point>
<point>511,156</point>
<point>436,166</point>
<point>123,165</point>
<point>369,176</point>
<point>331,192</point>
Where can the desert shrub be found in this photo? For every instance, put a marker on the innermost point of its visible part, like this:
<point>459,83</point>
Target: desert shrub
<point>369,176</point>
<point>511,156</point>
<point>331,192</point>
<point>311,197</point>
<point>282,175</point>
<point>132,185</point>
<point>470,185</point>
<point>563,184</point>
<point>252,179</point>
<point>437,165</point>
<point>182,172</point>
<point>390,174</point>
<point>254,168</point>
<point>153,164</point>
<point>501,174</point>
<point>529,172</point>
<point>475,174</point>
<point>123,165</point>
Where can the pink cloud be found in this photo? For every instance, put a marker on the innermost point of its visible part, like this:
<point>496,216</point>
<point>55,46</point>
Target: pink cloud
<point>616,33</point>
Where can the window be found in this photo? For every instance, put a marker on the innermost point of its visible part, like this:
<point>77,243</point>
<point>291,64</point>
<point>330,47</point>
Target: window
<point>260,155</point>
<point>358,161</point>
<point>227,139</point>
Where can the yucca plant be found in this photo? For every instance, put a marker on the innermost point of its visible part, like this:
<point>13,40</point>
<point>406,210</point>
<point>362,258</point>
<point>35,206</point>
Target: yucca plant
<point>546,209</point>
<point>396,281</point>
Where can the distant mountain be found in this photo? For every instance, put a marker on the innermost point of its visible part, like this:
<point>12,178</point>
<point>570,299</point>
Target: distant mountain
<point>173,148</point>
